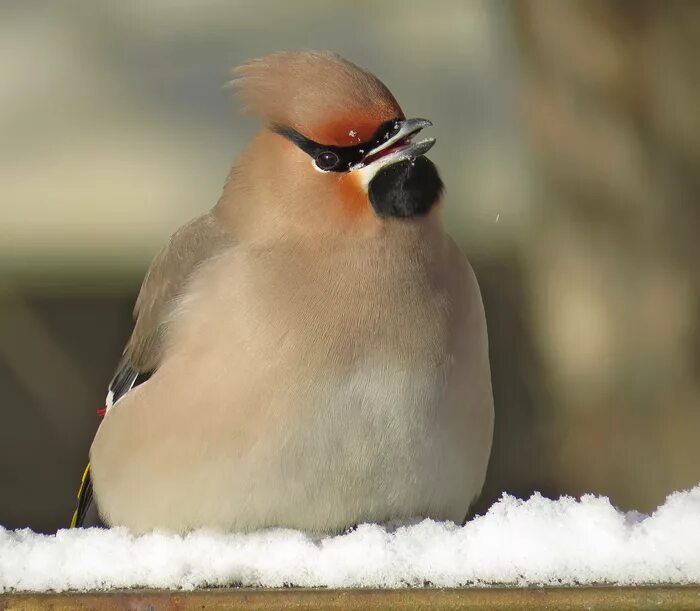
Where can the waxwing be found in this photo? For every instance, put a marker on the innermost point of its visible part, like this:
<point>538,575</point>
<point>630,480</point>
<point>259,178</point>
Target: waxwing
<point>312,352</point>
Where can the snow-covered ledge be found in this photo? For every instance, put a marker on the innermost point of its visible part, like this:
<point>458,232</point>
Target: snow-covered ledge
<point>538,542</point>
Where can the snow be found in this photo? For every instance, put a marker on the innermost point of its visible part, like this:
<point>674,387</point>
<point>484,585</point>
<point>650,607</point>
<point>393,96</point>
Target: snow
<point>534,542</point>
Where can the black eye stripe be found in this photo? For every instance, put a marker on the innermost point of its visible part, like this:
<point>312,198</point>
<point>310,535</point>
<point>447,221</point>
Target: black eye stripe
<point>347,155</point>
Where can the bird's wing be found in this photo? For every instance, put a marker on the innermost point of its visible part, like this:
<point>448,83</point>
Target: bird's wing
<point>165,281</point>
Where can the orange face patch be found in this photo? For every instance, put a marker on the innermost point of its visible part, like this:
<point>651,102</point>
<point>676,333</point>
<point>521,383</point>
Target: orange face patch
<point>353,128</point>
<point>353,195</point>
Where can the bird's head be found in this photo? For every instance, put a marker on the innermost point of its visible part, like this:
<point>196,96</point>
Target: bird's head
<point>336,151</point>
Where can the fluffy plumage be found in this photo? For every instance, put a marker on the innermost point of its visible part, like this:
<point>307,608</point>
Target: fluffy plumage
<point>313,364</point>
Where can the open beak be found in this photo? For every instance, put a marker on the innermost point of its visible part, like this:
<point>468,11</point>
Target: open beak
<point>398,146</point>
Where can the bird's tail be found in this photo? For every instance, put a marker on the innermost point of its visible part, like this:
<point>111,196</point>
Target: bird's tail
<point>84,499</point>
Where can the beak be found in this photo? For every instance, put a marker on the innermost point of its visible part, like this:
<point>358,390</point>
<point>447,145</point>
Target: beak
<point>397,147</point>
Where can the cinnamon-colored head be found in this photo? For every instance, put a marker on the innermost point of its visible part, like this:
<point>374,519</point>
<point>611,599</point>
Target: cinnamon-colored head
<point>321,95</point>
<point>335,152</point>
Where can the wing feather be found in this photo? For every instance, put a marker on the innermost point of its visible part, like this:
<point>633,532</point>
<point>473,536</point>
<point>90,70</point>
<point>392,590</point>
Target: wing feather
<point>166,281</point>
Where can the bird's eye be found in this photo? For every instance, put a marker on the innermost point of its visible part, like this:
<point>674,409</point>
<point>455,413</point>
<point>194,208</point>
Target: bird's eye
<point>327,160</point>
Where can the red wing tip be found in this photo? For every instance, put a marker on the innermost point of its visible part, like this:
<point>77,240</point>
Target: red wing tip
<point>102,411</point>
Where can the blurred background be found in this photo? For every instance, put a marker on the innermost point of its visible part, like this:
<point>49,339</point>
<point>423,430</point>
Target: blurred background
<point>569,140</point>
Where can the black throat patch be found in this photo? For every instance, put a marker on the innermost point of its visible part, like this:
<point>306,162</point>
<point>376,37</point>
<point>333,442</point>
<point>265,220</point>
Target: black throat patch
<point>406,188</point>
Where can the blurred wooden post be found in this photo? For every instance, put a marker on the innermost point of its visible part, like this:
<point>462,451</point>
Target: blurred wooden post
<point>611,99</point>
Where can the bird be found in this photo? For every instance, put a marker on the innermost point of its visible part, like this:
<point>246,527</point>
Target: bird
<point>312,352</point>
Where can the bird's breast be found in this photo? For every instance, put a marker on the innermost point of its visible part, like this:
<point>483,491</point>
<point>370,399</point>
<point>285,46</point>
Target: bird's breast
<point>322,308</point>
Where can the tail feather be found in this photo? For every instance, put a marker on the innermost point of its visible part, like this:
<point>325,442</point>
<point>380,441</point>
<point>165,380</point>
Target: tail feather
<point>86,511</point>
